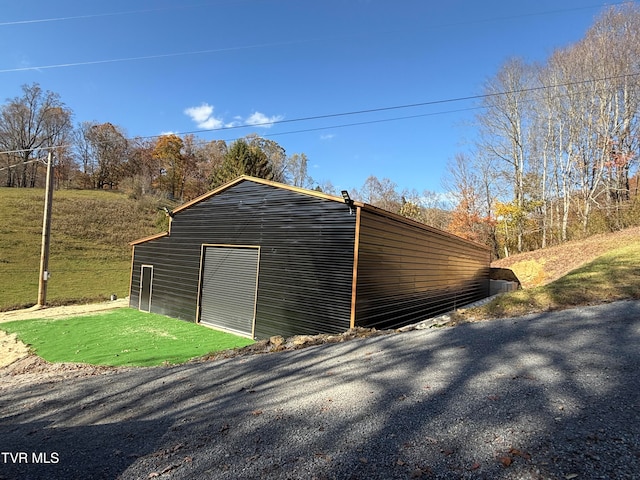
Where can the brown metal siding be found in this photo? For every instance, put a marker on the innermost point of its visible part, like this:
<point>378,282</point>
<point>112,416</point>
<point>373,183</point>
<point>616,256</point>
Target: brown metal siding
<point>407,273</point>
<point>306,259</point>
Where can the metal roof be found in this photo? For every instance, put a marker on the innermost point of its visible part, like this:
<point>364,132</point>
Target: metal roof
<point>303,191</point>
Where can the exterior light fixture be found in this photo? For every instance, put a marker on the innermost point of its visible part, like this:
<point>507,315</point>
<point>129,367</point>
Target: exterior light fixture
<point>347,200</point>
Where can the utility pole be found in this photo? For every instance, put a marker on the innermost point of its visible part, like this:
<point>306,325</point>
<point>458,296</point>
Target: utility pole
<point>46,235</point>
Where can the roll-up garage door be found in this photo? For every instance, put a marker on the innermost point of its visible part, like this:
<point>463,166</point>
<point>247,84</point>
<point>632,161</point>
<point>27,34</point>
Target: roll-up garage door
<point>228,288</point>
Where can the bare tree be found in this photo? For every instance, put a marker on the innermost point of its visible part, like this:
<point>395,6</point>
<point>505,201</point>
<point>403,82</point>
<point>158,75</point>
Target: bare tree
<point>29,125</point>
<point>615,37</point>
<point>554,172</point>
<point>83,153</point>
<point>426,207</point>
<point>296,171</point>
<point>380,193</point>
<point>603,103</point>
<point>504,127</point>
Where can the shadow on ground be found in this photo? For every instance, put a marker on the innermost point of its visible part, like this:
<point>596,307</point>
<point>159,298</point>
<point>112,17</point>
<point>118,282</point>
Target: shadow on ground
<point>545,396</point>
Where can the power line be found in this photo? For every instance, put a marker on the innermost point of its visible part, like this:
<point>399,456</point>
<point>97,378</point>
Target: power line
<point>398,107</point>
<point>363,112</point>
<point>405,106</point>
<point>151,57</point>
<point>40,160</point>
<point>315,129</point>
<point>370,122</point>
<point>248,47</point>
<point>198,5</point>
<point>101,15</point>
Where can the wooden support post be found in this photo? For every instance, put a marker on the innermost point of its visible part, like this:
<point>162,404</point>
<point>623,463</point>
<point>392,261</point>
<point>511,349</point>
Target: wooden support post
<point>46,235</point>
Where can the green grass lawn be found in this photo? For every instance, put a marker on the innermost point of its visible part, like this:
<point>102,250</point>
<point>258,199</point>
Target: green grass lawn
<point>121,337</point>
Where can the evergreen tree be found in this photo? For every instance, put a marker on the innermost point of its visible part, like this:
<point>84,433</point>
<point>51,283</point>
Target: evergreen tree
<point>242,159</point>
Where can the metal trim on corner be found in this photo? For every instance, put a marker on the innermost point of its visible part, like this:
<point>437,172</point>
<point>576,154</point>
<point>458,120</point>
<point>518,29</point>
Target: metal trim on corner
<point>354,282</point>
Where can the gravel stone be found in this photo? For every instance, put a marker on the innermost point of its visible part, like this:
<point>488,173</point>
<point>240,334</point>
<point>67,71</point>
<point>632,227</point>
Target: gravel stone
<point>547,396</point>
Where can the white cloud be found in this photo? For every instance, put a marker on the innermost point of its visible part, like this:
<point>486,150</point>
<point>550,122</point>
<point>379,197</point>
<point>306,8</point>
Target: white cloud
<point>261,120</point>
<point>236,122</point>
<point>211,123</point>
<point>203,117</point>
<point>327,136</point>
<point>201,113</point>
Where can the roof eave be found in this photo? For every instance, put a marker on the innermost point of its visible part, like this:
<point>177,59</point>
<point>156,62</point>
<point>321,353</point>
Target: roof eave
<point>149,238</point>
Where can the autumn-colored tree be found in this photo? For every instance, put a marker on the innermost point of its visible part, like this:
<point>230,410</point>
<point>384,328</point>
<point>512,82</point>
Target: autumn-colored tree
<point>196,171</point>
<point>467,223</point>
<point>509,217</point>
<point>65,166</point>
<point>469,182</point>
<point>410,208</point>
<point>173,165</point>
<point>209,159</point>
<point>142,169</point>
<point>107,150</point>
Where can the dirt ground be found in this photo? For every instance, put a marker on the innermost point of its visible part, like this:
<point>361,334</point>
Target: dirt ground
<point>12,350</point>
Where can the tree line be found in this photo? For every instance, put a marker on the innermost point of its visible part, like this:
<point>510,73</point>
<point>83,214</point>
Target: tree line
<point>94,155</point>
<point>557,149</point>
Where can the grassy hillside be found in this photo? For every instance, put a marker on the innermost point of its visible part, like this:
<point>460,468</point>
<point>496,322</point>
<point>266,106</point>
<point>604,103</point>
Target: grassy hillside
<point>600,269</point>
<point>544,266</point>
<point>90,258</point>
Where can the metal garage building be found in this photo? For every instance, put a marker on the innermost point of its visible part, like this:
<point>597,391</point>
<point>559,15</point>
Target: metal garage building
<point>259,258</point>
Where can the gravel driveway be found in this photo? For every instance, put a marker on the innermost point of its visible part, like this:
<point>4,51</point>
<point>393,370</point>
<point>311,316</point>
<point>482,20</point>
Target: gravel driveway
<point>555,395</point>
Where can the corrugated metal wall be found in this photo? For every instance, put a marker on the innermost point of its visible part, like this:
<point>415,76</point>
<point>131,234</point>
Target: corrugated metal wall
<point>173,263</point>
<point>306,259</point>
<point>407,273</point>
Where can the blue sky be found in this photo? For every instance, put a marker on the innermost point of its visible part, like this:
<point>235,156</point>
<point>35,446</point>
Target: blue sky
<point>154,66</point>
